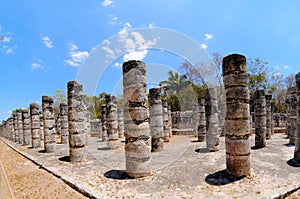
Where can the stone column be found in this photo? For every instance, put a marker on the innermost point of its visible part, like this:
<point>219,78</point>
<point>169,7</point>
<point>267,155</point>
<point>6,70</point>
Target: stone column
<point>11,128</point>
<point>26,126</point>
<point>49,124</point>
<point>16,131</point>
<point>35,125</point>
<point>170,121</point>
<point>237,121</point>
<point>293,114</point>
<point>165,121</point>
<point>120,122</point>
<point>202,121</point>
<point>76,118</point>
<point>103,121</point>
<point>272,117</point>
<point>20,126</point>
<point>41,125</point>
<point>63,111</point>
<point>156,120</point>
<point>268,116</point>
<point>297,135</point>
<point>260,118</point>
<point>58,126</point>
<point>136,120</point>
<point>212,123</point>
<point>195,118</point>
<point>112,122</point>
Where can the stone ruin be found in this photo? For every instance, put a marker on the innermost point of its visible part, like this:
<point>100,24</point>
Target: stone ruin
<point>146,129</point>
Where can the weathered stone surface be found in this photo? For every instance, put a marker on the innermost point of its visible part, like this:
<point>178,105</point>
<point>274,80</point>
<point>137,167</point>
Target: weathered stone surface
<point>112,122</point>
<point>268,116</point>
<point>103,120</point>
<point>26,126</point>
<point>202,120</point>
<point>260,118</point>
<point>35,125</point>
<point>156,120</point>
<point>237,120</point>
<point>292,114</point>
<point>20,126</point>
<point>212,122</point>
<point>16,128</point>
<point>297,133</point>
<point>49,124</point>
<point>77,127</point>
<point>137,146</point>
<point>165,121</point>
<point>120,122</point>
<point>63,111</point>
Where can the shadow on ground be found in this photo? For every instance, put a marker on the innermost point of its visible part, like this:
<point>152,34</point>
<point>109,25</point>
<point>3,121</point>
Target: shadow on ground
<point>221,178</point>
<point>65,159</point>
<point>202,150</point>
<point>117,175</point>
<point>293,163</point>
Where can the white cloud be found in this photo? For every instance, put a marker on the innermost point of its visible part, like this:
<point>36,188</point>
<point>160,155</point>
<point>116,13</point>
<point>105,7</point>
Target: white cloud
<point>203,46</point>
<point>47,42</point>
<point>76,56</point>
<point>110,53</point>
<point>208,36</point>
<point>151,25</point>
<point>9,49</point>
<point>106,3</point>
<point>113,19</point>
<point>286,67</point>
<point>118,65</point>
<point>135,55</point>
<point>37,64</point>
<point>4,38</point>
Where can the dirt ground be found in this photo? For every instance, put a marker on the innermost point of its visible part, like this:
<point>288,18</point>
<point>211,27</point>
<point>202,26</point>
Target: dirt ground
<point>27,180</point>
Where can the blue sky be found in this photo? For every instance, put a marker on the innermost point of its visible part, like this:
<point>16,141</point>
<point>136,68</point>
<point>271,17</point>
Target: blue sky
<point>44,44</point>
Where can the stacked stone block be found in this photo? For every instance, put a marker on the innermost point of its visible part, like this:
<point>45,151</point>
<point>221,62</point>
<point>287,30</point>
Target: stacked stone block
<point>26,126</point>
<point>76,122</point>
<point>35,125</point>
<point>202,120</point>
<point>293,115</point>
<point>156,120</point>
<point>49,124</point>
<point>64,130</point>
<point>112,122</point>
<point>20,126</point>
<point>268,116</point>
<point>237,121</point>
<point>136,120</point>
<point>212,121</point>
<point>165,121</point>
<point>103,120</point>
<point>297,135</point>
<point>260,118</point>
<point>120,122</point>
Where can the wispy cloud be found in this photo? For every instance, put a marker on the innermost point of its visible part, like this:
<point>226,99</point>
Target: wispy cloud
<point>208,36</point>
<point>4,38</point>
<point>286,67</point>
<point>47,42</point>
<point>203,46</point>
<point>151,25</point>
<point>37,65</point>
<point>76,56</point>
<point>106,3</point>
<point>113,19</point>
<point>9,49</point>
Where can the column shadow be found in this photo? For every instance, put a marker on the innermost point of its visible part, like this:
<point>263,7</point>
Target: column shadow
<point>293,163</point>
<point>64,159</point>
<point>202,150</point>
<point>117,175</point>
<point>221,178</point>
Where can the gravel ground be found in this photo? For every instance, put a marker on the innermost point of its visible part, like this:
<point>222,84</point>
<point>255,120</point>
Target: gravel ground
<point>183,170</point>
<point>27,180</point>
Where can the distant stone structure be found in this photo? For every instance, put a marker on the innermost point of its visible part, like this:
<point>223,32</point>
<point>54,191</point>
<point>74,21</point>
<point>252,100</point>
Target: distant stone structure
<point>41,125</point>
<point>260,118</point>
<point>156,120</point>
<point>96,128</point>
<point>165,121</point>
<point>120,122</point>
<point>35,125</point>
<point>16,131</point>
<point>64,130</point>
<point>49,124</point>
<point>202,120</point>
<point>103,121</point>
<point>195,117</point>
<point>26,126</point>
<point>112,122</point>
<point>136,120</point>
<point>76,121</point>
<point>297,135</point>
<point>20,126</point>
<point>293,115</point>
<point>237,121</point>
<point>170,121</point>
<point>268,116</point>
<point>212,121</point>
